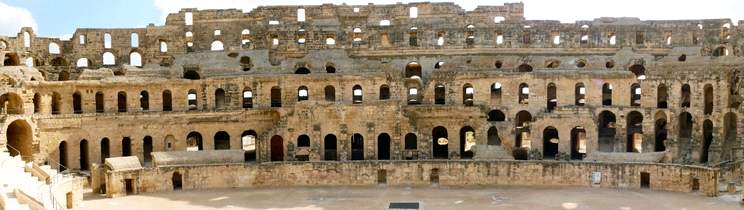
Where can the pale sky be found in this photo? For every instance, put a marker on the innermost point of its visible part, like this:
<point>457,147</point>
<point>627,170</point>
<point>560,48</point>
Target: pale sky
<point>55,18</point>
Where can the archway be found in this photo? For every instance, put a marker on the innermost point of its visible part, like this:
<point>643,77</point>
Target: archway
<point>662,96</point>
<point>552,100</point>
<point>126,147</point>
<point>606,130</point>
<point>147,150</point>
<point>660,132</point>
<point>493,137</point>
<point>277,148</point>
<point>357,147</point>
<point>522,129</point>
<point>11,103</point>
<point>550,142</point>
<point>496,116</point>
<point>413,70</point>
<point>194,141</point>
<point>634,132</point>
<point>383,147</point>
<point>221,141</point>
<point>105,149</point>
<point>440,143</point>
<point>329,146</point>
<point>248,144</point>
<point>578,143</point>
<point>62,150</point>
<point>439,94</point>
<point>20,138</point>
<point>411,142</point>
<point>84,162</point>
<point>177,181</point>
<point>607,94</point>
<point>707,140</point>
<point>467,141</point>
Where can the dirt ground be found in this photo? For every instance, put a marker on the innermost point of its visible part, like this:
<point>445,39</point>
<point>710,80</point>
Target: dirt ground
<point>428,197</point>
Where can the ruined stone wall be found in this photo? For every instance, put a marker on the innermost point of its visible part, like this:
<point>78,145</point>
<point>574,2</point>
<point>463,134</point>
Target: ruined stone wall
<point>411,173</point>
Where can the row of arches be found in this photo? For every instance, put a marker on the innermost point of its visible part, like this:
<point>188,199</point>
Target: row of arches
<point>194,142</point>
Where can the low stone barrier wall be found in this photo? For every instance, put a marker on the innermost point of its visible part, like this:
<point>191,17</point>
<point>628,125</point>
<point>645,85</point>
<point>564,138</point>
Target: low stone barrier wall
<point>655,176</point>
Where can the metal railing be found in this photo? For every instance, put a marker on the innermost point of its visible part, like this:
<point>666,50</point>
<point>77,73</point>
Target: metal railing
<point>53,180</point>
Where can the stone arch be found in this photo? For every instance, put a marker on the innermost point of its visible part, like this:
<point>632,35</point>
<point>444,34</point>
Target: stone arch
<point>248,141</point>
<point>607,94</point>
<point>550,142</point>
<point>19,137</point>
<point>167,97</point>
<point>685,94</point>
<point>522,129</point>
<point>11,59</point>
<point>440,94</point>
<point>660,131</point>
<point>59,61</point>
<point>383,146</point>
<point>194,141</point>
<point>639,71</point>
<point>662,96</point>
<point>357,147</point>
<point>303,93</point>
<point>707,140</point>
<point>413,70</point>
<point>410,141</point>
<point>177,181</point>
<point>384,92</point>
<point>606,130</point>
<point>121,101</point>
<point>77,103</point>
<point>276,96</point>
<point>277,148</point>
<point>330,93</point>
<point>493,136</point>
<point>524,68</point>
<point>11,103</point>
<point>552,99</point>
<point>496,116</point>
<point>219,98</point>
<point>440,142</point>
<point>634,126</point>
<point>84,155</point>
<point>468,93</point>
<point>357,94</point>
<point>330,147</point>
<point>221,140</point>
<point>730,137</point>
<point>467,141</point>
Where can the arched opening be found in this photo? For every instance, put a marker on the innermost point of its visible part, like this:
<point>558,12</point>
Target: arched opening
<point>20,138</point>
<point>662,96</point>
<point>11,59</point>
<point>37,102</point>
<point>82,63</point>
<point>302,93</point>
<point>384,92</point>
<point>59,61</point>
<point>357,147</point>
<point>707,140</point>
<point>578,143</point>
<point>383,146</point>
<point>639,71</point>
<point>493,136</point>
<point>191,74</point>
<point>330,93</point>
<point>122,101</point>
<point>84,162</point>
<point>109,59</point>
<point>524,68</point>
<point>439,94</point>
<point>246,63</point>
<point>685,96</point>
<point>685,125</point>
<point>219,98</point>
<point>63,76</point>
<point>302,70</point>
<point>579,94</point>
<point>221,141</point>
<point>144,99</point>
<point>635,94</point>
<point>277,148</point>
<point>329,147</point>
<point>729,136</point>
<point>167,101</point>
<point>720,51</point>
<point>330,68</point>
<point>496,116</point>
<point>303,141</point>
<point>56,103</point>
<point>134,40</point>
<point>356,94</point>
<point>413,37</point>
<point>524,93</point>
<point>634,132</point>
<point>410,142</point>
<point>99,102</point>
<point>135,59</point>
<point>276,96</point>
<point>467,141</point>
<point>522,129</point>
<point>177,181</point>
<point>107,40</point>
<point>550,142</point>
<point>413,70</point>
<point>11,103</point>
<point>191,97</point>
<point>126,147</point>
<point>248,144</point>
<point>105,149</point>
<point>607,94</point>
<point>217,45</point>
<point>606,130</point>
<point>496,93</point>
<point>247,98</point>
<point>440,143</point>
<point>467,94</point>
<point>62,150</point>
<point>147,149</point>
<point>552,100</point>
<point>660,132</point>
<point>708,99</point>
<point>194,141</point>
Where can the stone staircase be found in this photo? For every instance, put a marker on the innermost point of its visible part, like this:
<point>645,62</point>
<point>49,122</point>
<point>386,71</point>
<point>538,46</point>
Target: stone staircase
<point>24,185</point>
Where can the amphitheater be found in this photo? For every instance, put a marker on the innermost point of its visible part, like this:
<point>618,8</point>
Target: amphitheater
<point>423,96</point>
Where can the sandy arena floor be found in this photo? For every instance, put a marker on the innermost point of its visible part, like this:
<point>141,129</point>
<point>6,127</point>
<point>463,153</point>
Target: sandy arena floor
<point>348,198</point>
